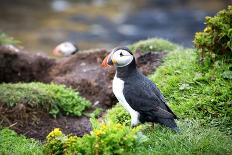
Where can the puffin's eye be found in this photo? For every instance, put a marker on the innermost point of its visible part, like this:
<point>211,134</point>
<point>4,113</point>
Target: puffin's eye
<point>121,54</point>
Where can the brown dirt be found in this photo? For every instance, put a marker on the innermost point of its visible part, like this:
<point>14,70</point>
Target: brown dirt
<point>36,123</point>
<point>81,71</point>
<point>17,65</point>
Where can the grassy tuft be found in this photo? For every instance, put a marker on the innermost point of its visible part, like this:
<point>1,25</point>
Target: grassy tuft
<point>6,40</point>
<point>154,44</point>
<point>195,91</point>
<point>53,98</point>
<point>193,139</point>
<point>11,143</point>
<point>118,114</point>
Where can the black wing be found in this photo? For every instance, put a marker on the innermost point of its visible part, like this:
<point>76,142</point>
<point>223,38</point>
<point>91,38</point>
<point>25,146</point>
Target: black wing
<point>144,97</point>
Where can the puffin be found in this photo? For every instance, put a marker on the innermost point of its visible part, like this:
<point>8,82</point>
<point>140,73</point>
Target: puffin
<point>65,49</point>
<point>136,93</point>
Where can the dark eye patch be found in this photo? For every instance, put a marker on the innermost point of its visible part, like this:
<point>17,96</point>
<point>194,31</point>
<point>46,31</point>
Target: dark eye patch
<point>121,54</point>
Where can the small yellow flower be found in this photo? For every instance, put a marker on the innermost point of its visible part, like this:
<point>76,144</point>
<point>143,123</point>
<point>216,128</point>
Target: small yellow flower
<point>207,29</point>
<point>119,126</point>
<point>103,127</point>
<point>55,133</point>
<point>98,133</point>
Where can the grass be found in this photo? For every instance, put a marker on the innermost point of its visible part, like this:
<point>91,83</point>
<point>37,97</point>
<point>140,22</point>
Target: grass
<point>193,139</point>
<point>196,91</point>
<point>55,99</point>
<point>6,40</point>
<point>11,143</point>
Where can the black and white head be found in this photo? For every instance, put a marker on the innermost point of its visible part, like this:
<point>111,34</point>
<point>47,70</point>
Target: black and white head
<point>65,49</point>
<point>120,57</point>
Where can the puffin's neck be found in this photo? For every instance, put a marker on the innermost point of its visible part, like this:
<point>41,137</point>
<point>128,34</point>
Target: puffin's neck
<point>127,71</point>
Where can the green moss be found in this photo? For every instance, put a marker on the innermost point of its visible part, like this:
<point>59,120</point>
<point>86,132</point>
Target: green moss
<point>11,143</point>
<point>154,44</point>
<point>50,97</point>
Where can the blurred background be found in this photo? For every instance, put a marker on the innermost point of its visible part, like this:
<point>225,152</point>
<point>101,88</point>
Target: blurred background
<point>40,25</point>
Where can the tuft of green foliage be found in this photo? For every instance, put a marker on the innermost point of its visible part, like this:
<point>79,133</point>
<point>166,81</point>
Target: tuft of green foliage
<point>151,45</point>
<point>193,139</point>
<point>195,91</point>
<point>104,139</point>
<point>11,143</point>
<point>53,98</point>
<point>6,40</point>
<point>118,114</point>
<point>215,42</point>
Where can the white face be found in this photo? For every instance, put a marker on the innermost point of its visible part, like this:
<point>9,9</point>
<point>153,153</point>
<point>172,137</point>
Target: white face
<point>67,48</point>
<point>122,58</point>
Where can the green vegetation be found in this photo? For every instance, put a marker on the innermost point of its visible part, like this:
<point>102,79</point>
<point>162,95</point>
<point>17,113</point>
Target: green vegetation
<point>195,91</point>
<point>6,40</point>
<point>104,139</point>
<point>11,143</point>
<point>118,114</point>
<point>193,139</point>
<point>215,42</point>
<point>154,44</point>
<point>53,98</point>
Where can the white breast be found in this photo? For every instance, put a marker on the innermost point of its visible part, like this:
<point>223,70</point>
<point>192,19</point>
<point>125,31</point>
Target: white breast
<point>118,86</point>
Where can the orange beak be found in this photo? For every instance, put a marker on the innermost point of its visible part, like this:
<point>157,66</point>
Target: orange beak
<point>56,51</point>
<point>105,62</point>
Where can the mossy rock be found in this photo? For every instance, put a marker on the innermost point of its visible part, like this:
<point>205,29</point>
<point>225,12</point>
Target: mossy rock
<point>153,44</point>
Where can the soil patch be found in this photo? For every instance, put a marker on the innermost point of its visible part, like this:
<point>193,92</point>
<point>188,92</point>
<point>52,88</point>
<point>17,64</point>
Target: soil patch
<point>19,66</point>
<point>36,123</point>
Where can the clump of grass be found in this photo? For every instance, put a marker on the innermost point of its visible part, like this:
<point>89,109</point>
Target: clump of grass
<point>11,143</point>
<point>118,114</point>
<point>193,139</point>
<point>53,98</point>
<point>154,44</point>
<point>196,91</point>
<point>6,40</point>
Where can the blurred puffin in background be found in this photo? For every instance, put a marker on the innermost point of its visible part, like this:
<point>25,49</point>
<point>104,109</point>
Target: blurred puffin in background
<point>137,94</point>
<point>65,49</point>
